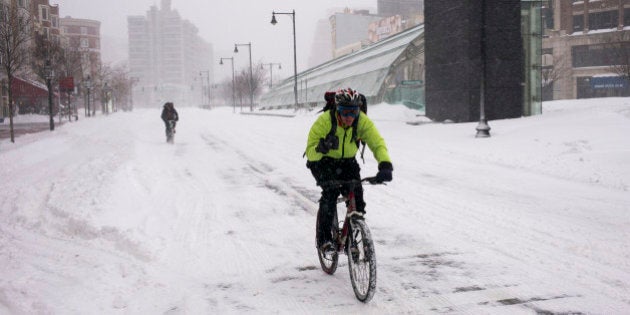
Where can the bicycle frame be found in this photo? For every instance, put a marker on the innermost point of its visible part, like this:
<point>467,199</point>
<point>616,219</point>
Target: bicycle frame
<point>350,208</point>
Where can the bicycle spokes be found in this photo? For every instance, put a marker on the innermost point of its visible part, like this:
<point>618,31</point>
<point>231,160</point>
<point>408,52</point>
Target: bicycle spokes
<point>361,261</point>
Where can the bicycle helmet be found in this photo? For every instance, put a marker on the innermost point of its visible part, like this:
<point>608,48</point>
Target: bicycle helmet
<point>347,97</point>
<point>348,102</point>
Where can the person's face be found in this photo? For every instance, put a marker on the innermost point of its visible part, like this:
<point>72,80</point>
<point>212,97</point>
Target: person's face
<point>347,121</point>
<point>347,114</point>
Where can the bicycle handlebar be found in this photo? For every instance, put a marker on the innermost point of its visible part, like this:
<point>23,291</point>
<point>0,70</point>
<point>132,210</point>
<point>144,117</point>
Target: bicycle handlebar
<point>331,183</point>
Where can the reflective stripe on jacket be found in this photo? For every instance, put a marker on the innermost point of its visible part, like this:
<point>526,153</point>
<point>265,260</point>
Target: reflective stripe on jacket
<point>366,131</point>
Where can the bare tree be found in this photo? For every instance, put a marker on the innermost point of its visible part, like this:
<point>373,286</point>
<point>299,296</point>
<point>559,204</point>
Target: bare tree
<point>241,87</point>
<point>260,77</point>
<point>71,66</point>
<point>553,70</point>
<point>101,76</point>
<point>121,85</point>
<point>619,45</point>
<point>15,35</point>
<point>43,50</point>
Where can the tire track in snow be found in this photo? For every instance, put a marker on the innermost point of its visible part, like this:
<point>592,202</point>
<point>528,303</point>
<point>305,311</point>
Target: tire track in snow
<point>467,220</point>
<point>256,175</point>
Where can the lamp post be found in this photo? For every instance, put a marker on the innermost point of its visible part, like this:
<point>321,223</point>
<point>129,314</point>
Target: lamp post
<point>273,21</point>
<point>251,74</point>
<point>483,130</point>
<point>270,65</point>
<point>88,87</point>
<point>231,59</point>
<point>48,73</point>
<point>205,91</point>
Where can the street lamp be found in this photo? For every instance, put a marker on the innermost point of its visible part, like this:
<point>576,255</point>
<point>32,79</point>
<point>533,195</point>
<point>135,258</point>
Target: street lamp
<point>205,91</point>
<point>88,86</point>
<point>483,130</point>
<point>48,73</point>
<point>251,74</point>
<point>273,21</point>
<point>270,65</point>
<point>231,59</point>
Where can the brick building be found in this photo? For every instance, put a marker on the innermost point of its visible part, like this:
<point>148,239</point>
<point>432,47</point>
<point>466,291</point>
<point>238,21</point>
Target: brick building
<point>83,35</point>
<point>26,90</point>
<point>586,48</point>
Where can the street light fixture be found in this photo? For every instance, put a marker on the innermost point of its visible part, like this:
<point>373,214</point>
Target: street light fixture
<point>231,59</point>
<point>48,73</point>
<point>88,87</point>
<point>273,21</point>
<point>251,74</point>
<point>270,65</point>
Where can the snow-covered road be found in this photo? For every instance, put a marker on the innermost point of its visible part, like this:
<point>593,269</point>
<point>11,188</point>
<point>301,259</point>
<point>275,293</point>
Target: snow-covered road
<point>102,216</point>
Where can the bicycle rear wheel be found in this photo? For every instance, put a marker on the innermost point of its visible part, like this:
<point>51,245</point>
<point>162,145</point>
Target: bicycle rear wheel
<point>328,261</point>
<point>361,260</point>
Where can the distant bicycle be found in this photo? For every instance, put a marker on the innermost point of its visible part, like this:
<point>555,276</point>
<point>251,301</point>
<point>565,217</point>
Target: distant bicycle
<point>352,237</point>
<point>170,131</point>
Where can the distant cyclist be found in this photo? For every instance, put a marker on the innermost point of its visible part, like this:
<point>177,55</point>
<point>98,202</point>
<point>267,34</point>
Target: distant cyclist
<point>333,142</point>
<point>170,118</point>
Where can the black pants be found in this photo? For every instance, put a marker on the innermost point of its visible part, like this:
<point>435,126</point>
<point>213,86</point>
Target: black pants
<point>331,169</point>
<point>168,127</point>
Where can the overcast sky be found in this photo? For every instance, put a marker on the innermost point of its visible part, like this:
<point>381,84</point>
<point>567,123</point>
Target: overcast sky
<point>224,23</point>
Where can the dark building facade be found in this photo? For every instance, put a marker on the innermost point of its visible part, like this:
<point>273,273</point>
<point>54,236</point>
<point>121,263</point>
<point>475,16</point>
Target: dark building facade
<point>457,61</point>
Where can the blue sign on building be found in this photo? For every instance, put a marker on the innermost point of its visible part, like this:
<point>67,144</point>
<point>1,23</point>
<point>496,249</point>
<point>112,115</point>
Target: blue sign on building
<point>609,83</point>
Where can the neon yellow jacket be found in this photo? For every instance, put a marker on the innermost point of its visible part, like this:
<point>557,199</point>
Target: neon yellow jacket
<point>366,131</point>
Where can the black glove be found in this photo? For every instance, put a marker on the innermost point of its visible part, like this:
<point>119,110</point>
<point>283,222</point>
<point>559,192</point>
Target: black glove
<point>384,172</point>
<point>331,142</point>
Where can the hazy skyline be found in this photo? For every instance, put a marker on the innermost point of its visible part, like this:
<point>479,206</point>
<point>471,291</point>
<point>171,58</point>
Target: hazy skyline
<point>224,23</point>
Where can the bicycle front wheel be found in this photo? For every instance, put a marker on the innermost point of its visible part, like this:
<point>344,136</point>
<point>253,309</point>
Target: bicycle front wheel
<point>328,261</point>
<point>361,261</point>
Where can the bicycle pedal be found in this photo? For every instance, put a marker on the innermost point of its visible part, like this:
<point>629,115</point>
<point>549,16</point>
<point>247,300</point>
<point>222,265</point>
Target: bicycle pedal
<point>328,248</point>
<point>356,215</point>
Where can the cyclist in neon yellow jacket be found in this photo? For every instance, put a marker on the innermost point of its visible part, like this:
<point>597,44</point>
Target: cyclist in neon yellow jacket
<point>333,142</point>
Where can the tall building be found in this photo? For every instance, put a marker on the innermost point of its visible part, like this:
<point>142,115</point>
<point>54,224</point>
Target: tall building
<point>168,60</point>
<point>321,50</point>
<point>586,49</point>
<point>46,18</point>
<point>84,36</point>
<point>406,8</point>
<point>350,30</point>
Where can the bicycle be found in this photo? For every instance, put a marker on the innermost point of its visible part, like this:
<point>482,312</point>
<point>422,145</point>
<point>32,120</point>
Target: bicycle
<point>359,247</point>
<point>170,131</point>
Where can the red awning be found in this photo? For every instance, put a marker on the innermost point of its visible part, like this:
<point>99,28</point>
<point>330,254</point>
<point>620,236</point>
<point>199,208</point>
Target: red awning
<point>27,88</point>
